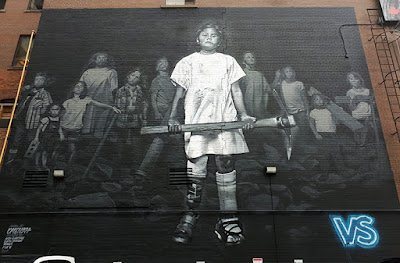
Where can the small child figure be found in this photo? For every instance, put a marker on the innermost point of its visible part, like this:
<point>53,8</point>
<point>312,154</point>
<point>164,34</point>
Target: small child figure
<point>255,88</point>
<point>359,105</point>
<point>33,103</point>
<point>296,103</point>
<point>130,100</point>
<point>72,119</point>
<point>323,126</point>
<point>101,80</point>
<point>48,134</point>
<point>162,94</point>
<point>162,91</point>
<point>209,83</point>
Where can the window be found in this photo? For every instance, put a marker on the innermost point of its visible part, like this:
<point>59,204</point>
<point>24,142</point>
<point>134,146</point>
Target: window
<point>2,4</point>
<point>22,49</point>
<point>35,5</point>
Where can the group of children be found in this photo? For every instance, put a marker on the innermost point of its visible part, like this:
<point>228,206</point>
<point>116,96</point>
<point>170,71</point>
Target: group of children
<point>214,88</point>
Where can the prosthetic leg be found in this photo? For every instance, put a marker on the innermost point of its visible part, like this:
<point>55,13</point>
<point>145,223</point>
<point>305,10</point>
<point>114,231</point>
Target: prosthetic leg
<point>184,230</point>
<point>228,228</point>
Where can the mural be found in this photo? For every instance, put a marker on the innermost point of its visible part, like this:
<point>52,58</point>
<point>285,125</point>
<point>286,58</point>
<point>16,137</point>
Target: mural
<point>179,113</point>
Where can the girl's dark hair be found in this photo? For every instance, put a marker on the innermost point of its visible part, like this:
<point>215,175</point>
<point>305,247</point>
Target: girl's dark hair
<point>49,79</point>
<point>357,76</point>
<point>47,112</point>
<point>84,92</point>
<point>323,97</point>
<point>210,24</point>
<point>92,61</point>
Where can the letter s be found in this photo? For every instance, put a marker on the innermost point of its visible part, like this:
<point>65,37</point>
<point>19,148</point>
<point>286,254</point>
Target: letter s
<point>367,236</point>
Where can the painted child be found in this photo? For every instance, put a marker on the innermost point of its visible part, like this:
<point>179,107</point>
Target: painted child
<point>359,105</point>
<point>101,80</point>
<point>255,88</point>
<point>33,103</point>
<point>323,126</point>
<point>209,83</point>
<point>130,100</point>
<point>162,94</point>
<point>72,119</point>
<point>48,135</point>
<point>296,102</point>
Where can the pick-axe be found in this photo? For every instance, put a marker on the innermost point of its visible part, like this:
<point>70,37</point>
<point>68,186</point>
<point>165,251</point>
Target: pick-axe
<point>283,122</point>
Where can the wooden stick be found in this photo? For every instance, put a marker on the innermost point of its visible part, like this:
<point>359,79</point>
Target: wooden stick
<point>199,127</point>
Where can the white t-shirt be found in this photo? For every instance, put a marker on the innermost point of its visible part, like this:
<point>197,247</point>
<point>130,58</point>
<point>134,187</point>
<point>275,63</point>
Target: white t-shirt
<point>363,109</point>
<point>323,120</point>
<point>74,110</point>
<point>208,80</point>
<point>291,93</point>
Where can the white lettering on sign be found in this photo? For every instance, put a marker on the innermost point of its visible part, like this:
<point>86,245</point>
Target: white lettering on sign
<point>15,234</point>
<point>50,258</point>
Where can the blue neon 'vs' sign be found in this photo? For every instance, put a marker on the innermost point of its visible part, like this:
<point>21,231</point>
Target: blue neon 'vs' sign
<point>357,230</point>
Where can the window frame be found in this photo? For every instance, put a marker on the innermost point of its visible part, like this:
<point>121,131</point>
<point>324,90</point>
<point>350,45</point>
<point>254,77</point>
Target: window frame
<point>14,64</point>
<point>30,9</point>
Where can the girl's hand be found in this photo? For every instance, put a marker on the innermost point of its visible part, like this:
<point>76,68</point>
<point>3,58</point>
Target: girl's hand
<point>116,110</point>
<point>35,141</point>
<point>174,125</point>
<point>318,136</point>
<point>249,121</point>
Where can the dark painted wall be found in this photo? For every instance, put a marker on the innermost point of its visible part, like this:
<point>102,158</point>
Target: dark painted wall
<point>305,38</point>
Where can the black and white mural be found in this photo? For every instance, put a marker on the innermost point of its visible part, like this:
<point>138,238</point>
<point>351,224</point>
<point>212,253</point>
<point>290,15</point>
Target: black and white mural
<point>199,114</point>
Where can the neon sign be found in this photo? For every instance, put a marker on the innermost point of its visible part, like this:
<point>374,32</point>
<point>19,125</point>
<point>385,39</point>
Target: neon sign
<point>356,231</point>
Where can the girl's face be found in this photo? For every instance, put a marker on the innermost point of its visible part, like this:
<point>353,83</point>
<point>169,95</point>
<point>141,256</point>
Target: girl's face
<point>209,39</point>
<point>134,78</point>
<point>354,81</point>
<point>162,65</point>
<point>289,73</point>
<point>318,101</point>
<point>54,111</point>
<point>79,88</point>
<point>249,59</point>
<point>101,60</point>
<point>39,81</point>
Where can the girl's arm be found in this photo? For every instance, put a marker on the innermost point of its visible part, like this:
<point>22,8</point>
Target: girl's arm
<point>38,131</point>
<point>106,106</point>
<point>305,101</point>
<point>278,79</point>
<point>314,129</point>
<point>157,114</point>
<point>173,123</point>
<point>61,133</point>
<point>237,97</point>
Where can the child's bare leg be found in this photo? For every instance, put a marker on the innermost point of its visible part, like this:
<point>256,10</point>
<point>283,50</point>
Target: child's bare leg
<point>37,158</point>
<point>197,172</point>
<point>228,228</point>
<point>44,159</point>
<point>72,150</point>
<point>152,155</point>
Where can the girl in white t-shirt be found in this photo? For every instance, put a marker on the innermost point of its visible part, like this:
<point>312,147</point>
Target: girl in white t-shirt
<point>208,82</point>
<point>360,105</point>
<point>72,119</point>
<point>323,126</point>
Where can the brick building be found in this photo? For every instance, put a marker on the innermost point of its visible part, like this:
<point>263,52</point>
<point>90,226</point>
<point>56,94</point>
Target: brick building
<point>20,17</point>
